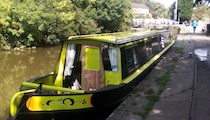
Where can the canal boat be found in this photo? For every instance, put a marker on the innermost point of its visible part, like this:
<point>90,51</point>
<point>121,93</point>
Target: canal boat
<point>93,75</point>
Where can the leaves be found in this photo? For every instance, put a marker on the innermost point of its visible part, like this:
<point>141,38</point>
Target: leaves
<point>201,12</point>
<point>113,15</point>
<point>185,8</point>
<point>32,22</point>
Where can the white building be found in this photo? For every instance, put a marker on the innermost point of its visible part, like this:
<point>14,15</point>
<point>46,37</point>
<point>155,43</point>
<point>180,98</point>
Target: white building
<point>139,8</point>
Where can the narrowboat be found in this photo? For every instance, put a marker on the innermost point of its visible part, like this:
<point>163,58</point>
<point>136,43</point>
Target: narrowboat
<point>93,75</point>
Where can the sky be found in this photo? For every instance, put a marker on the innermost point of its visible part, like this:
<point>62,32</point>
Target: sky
<point>166,3</point>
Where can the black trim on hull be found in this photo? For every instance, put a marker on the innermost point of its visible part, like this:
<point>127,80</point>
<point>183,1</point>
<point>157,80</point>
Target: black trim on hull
<point>85,114</point>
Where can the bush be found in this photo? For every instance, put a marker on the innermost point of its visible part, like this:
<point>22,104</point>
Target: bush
<point>35,22</point>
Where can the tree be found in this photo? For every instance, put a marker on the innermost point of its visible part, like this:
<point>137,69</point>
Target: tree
<point>113,15</point>
<point>85,18</point>
<point>201,12</point>
<point>185,9</point>
<point>5,8</point>
<point>196,2</point>
<point>43,22</point>
<point>171,10</point>
<point>35,22</point>
<point>159,9</point>
<point>149,16</point>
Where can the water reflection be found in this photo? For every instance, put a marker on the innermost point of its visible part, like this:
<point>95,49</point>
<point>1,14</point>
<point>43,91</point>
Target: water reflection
<point>19,66</point>
<point>203,54</point>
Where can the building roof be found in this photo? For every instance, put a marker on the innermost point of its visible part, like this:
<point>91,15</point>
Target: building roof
<point>139,5</point>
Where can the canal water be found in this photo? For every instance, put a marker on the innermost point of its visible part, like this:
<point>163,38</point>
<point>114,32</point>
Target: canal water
<point>21,65</point>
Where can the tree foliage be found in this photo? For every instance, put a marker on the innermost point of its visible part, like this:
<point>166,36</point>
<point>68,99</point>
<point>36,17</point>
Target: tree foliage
<point>171,10</point>
<point>197,2</point>
<point>201,12</point>
<point>32,22</point>
<point>185,8</point>
<point>112,15</point>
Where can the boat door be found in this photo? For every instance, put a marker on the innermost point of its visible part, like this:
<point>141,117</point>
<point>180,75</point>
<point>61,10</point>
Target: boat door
<point>92,68</point>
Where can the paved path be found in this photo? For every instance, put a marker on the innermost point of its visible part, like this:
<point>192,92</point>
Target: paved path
<point>175,101</point>
<point>201,101</point>
<point>187,95</point>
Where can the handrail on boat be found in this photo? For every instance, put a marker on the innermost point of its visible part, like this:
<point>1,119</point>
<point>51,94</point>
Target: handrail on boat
<point>16,99</point>
<point>49,87</point>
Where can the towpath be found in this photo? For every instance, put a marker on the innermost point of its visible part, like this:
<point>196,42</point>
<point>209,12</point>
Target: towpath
<point>187,93</point>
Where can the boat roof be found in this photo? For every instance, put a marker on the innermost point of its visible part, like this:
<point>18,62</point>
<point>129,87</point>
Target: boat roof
<point>118,38</point>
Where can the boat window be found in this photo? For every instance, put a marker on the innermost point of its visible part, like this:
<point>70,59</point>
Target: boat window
<point>141,54</point>
<point>134,57</point>
<point>149,49</point>
<point>131,58</point>
<point>155,44</point>
<point>72,69</point>
<point>70,56</point>
<point>162,41</point>
<point>110,59</point>
<point>113,58</point>
<point>106,60</point>
<point>165,38</point>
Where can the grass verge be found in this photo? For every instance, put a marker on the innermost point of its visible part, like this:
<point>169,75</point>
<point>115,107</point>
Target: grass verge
<point>152,96</point>
<point>179,49</point>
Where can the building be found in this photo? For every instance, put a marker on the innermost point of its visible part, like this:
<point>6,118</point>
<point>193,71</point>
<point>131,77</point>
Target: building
<point>140,9</point>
